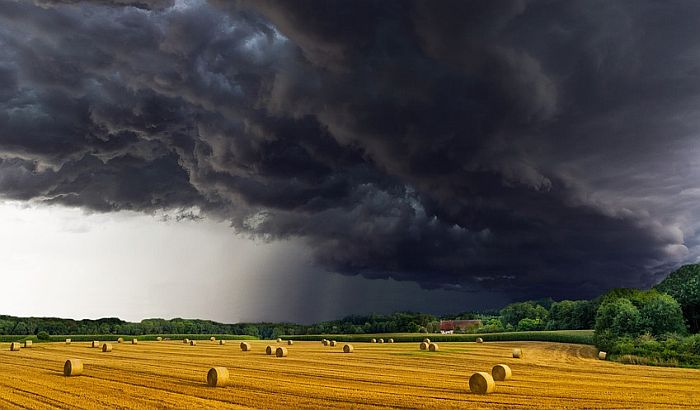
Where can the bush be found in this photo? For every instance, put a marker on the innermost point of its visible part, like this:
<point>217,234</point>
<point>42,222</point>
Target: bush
<point>669,350</point>
<point>43,335</point>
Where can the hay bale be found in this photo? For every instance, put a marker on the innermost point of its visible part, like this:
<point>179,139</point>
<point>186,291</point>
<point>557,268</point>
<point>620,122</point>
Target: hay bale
<point>325,342</point>
<point>120,340</point>
<point>245,346</point>
<point>269,350</point>
<point>217,377</point>
<point>193,343</point>
<point>501,372</point>
<point>481,383</point>
<point>27,343</point>
<point>213,339</point>
<point>15,346</point>
<point>390,341</point>
<point>333,343</point>
<point>433,347</point>
<point>380,341</point>
<point>479,340</point>
<point>95,344</point>
<point>426,340</point>
<point>279,340</point>
<point>68,341</point>
<point>222,342</point>
<point>281,352</point>
<point>423,346</point>
<point>73,367</point>
<point>517,353</point>
<point>159,339</point>
<point>290,342</point>
<point>602,355</point>
<point>106,347</point>
<point>348,349</point>
<point>186,341</point>
<point>373,341</point>
<point>134,341</point>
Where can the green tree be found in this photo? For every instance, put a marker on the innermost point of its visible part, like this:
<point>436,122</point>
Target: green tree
<point>618,317</point>
<point>684,286</point>
<point>571,314</point>
<point>515,312</point>
<point>251,330</point>
<point>528,324</point>
<point>661,314</point>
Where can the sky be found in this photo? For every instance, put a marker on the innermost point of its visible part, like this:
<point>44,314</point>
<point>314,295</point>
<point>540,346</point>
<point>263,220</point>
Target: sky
<point>305,160</point>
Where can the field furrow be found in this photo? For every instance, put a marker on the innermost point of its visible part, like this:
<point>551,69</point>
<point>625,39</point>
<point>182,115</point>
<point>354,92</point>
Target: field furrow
<point>398,375</point>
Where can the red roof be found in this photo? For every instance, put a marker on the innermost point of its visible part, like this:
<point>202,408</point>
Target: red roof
<point>458,324</point>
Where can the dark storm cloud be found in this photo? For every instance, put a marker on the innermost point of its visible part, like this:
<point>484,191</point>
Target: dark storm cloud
<point>535,148</point>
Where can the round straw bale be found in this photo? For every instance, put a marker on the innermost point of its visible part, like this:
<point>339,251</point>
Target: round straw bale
<point>73,367</point>
<point>348,349</point>
<point>222,342</point>
<point>426,340</point>
<point>213,339</point>
<point>120,340</point>
<point>481,383</point>
<point>380,340</point>
<point>433,347</point>
<point>333,343</point>
<point>193,343</point>
<point>107,347</point>
<point>159,339</point>
<point>245,346</point>
<point>134,341</point>
<point>281,352</point>
<point>290,342</point>
<point>501,372</point>
<point>269,350</point>
<point>479,340</point>
<point>186,341</point>
<point>68,341</point>
<point>390,341</point>
<point>517,353</point>
<point>15,346</point>
<point>423,346</point>
<point>373,341</point>
<point>27,343</point>
<point>217,377</point>
<point>279,340</point>
<point>602,355</point>
<point>95,343</point>
<point>325,342</point>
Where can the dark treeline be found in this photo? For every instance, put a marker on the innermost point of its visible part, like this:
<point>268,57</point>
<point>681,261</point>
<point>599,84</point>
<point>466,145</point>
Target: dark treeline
<point>660,323</point>
<point>397,322</point>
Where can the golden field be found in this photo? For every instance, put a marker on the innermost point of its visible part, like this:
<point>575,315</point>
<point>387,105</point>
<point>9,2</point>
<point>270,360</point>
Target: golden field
<point>172,374</point>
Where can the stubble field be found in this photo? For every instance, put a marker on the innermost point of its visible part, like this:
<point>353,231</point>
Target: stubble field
<point>171,374</point>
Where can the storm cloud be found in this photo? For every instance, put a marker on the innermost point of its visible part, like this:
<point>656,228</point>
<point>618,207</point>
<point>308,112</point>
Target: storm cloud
<point>534,148</point>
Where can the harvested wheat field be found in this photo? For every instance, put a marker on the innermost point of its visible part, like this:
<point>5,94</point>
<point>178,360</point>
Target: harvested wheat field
<point>171,374</point>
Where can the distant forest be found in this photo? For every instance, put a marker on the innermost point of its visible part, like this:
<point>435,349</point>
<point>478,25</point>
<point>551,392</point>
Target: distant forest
<point>661,323</point>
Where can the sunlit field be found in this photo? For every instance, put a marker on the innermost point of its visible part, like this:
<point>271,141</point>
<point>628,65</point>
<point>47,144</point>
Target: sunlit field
<point>173,374</point>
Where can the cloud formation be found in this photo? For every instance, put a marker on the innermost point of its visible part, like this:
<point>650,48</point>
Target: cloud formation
<point>532,148</point>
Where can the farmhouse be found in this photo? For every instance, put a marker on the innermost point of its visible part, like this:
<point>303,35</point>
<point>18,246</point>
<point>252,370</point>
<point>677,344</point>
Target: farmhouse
<point>449,326</point>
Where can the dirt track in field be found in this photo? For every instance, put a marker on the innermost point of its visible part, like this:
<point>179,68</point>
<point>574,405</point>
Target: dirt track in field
<point>173,375</point>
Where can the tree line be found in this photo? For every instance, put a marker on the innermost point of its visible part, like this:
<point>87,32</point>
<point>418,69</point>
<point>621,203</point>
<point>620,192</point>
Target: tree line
<point>662,322</point>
